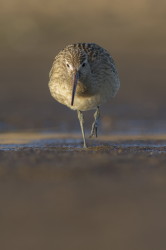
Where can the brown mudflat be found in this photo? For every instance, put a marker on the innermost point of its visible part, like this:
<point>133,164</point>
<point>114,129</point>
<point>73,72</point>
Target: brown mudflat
<point>56,195</point>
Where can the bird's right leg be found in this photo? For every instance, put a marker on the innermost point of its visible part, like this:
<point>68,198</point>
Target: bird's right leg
<point>81,120</point>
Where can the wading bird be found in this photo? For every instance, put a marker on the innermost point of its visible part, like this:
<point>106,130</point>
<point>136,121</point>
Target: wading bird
<point>84,76</point>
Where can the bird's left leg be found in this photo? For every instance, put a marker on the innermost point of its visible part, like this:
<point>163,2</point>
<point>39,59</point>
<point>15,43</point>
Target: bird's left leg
<point>95,123</point>
<point>81,120</point>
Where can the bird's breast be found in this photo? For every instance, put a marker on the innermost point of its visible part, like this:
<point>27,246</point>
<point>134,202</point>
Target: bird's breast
<point>89,94</point>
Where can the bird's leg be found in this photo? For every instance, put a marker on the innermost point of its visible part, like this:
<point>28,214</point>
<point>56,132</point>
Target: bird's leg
<point>81,120</point>
<point>95,123</point>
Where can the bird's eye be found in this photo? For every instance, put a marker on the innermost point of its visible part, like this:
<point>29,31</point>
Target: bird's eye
<point>68,65</point>
<point>83,65</point>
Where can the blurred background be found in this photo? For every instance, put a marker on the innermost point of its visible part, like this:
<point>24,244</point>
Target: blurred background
<point>33,32</point>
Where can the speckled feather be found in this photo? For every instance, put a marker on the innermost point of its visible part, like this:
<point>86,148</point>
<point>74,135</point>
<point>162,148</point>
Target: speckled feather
<point>98,82</point>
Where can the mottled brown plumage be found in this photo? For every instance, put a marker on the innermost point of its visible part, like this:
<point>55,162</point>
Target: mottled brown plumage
<point>84,76</point>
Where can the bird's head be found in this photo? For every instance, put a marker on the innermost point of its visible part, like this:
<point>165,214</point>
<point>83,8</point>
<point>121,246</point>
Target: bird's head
<point>77,67</point>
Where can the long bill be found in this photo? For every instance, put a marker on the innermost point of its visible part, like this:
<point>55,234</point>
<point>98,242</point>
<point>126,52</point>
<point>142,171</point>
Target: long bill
<point>76,77</point>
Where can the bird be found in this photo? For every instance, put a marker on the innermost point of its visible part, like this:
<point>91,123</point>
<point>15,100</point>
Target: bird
<point>84,76</point>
